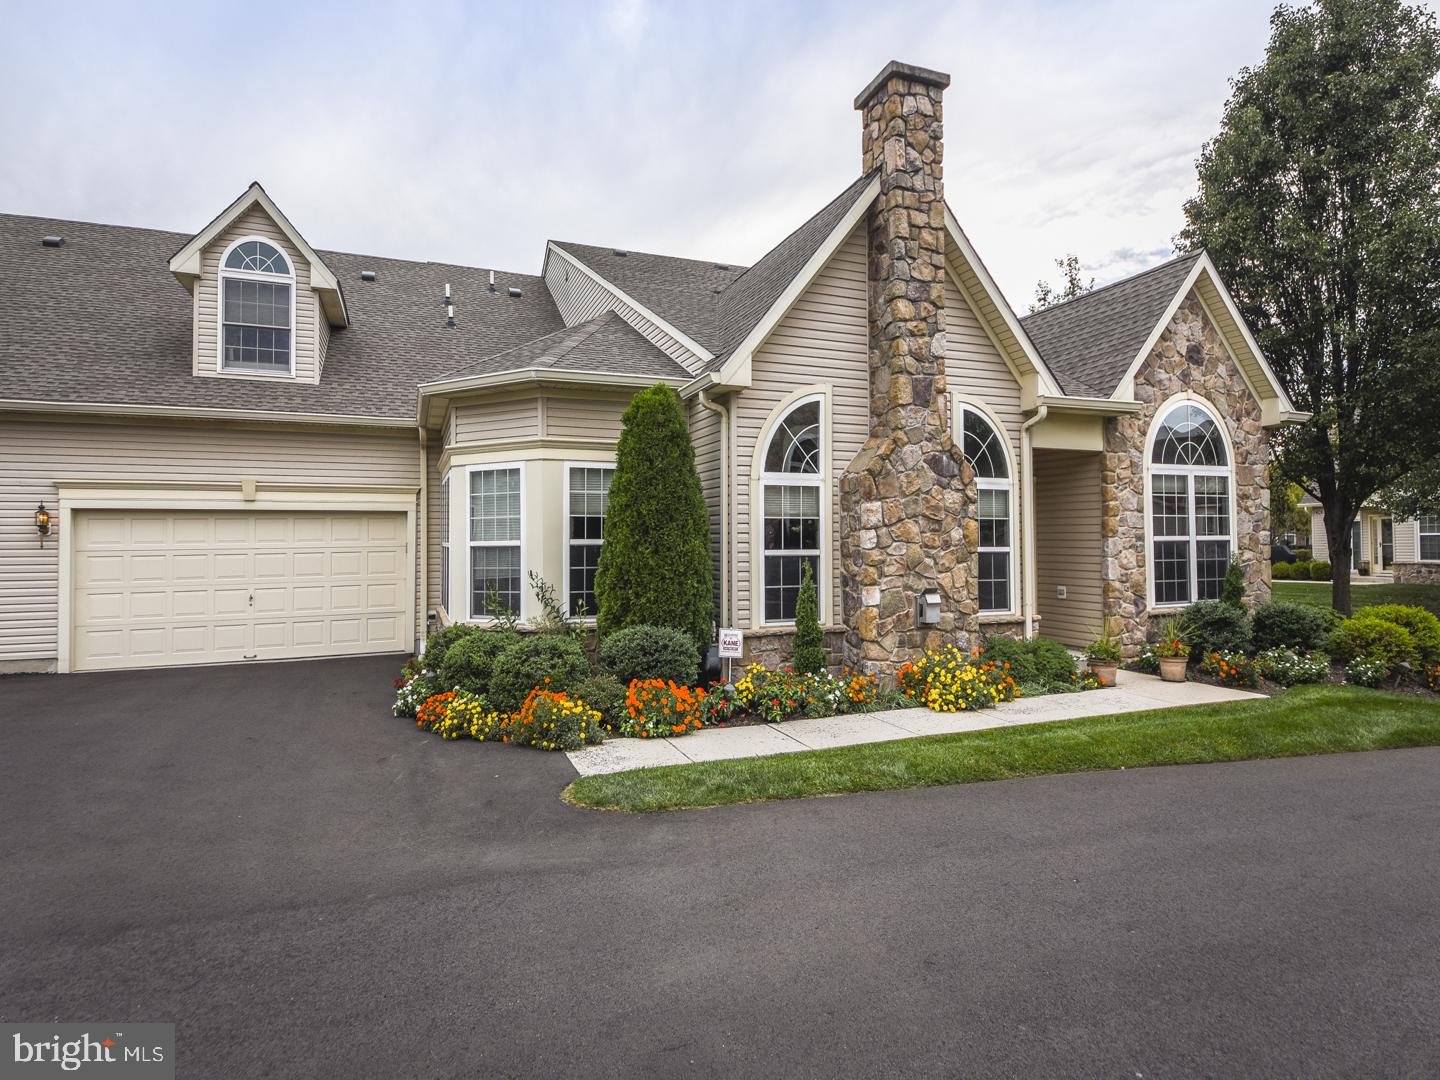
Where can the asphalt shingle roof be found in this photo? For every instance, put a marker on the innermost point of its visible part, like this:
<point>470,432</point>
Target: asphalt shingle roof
<point>717,304</point>
<point>1089,343</point>
<point>102,319</point>
<point>607,343</point>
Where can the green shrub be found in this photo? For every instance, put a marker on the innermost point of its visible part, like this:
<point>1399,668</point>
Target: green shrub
<point>1214,626</point>
<point>1367,638</point>
<point>549,661</point>
<point>1320,571</point>
<point>1423,626</point>
<point>1233,589</point>
<point>440,642</point>
<point>1304,554</point>
<point>1278,625</point>
<point>1039,662</point>
<point>470,662</point>
<point>810,656</point>
<point>605,694</point>
<point>655,564</point>
<point>650,652</point>
<point>1282,571</point>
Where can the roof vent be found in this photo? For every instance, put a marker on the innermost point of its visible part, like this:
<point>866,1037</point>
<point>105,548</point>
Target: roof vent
<point>367,275</point>
<point>620,253</point>
<point>513,291</point>
<point>52,241</point>
<point>492,280</point>
<point>721,266</point>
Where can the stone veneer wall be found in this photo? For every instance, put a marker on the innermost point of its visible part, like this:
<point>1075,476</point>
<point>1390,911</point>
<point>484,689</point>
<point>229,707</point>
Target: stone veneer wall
<point>907,500</point>
<point>1189,356</point>
<point>774,646</point>
<point>1415,573</point>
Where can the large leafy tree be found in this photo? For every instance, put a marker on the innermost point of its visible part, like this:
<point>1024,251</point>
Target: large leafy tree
<point>655,563</point>
<point>1320,203</point>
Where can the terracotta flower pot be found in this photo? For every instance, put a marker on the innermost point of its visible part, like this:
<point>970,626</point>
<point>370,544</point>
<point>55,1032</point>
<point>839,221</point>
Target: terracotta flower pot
<point>1172,668</point>
<point>1104,672</point>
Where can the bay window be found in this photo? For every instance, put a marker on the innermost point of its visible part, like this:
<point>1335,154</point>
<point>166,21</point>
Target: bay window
<point>496,537</point>
<point>587,499</point>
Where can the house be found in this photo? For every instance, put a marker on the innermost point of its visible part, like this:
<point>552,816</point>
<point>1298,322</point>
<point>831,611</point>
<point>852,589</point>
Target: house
<point>1406,550</point>
<point>232,446</point>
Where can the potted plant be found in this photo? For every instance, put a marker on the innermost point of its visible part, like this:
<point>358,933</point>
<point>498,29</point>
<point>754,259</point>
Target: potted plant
<point>1172,652</point>
<point>1104,656</point>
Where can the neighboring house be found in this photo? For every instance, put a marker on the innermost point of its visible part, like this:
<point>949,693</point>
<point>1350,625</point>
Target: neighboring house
<point>1408,549</point>
<point>249,449</point>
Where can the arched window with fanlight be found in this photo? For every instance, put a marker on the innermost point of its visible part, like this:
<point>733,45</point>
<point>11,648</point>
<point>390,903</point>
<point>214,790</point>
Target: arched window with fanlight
<point>989,453</point>
<point>792,501</point>
<point>1191,524</point>
<point>257,309</point>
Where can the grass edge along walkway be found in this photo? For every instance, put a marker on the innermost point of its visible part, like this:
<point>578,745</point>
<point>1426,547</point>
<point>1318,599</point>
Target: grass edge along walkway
<point>1305,720</point>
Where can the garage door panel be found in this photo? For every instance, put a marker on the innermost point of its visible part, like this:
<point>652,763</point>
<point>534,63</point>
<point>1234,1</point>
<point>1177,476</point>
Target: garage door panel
<point>155,588</point>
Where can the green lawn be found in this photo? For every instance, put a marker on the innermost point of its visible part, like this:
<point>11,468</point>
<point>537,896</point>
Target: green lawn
<point>1306,720</point>
<point>1317,594</point>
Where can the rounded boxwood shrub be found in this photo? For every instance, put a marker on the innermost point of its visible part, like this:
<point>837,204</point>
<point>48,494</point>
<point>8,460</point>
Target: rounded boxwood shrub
<point>650,652</point>
<point>1423,626</point>
<point>530,661</point>
<point>1320,571</point>
<point>470,661</point>
<point>1214,626</point>
<point>1367,638</point>
<point>1039,661</point>
<point>1278,625</point>
<point>605,694</point>
<point>1281,571</point>
<point>440,642</point>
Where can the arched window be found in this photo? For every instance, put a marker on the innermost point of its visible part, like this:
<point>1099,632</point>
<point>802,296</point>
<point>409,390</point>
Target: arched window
<point>792,501</point>
<point>990,455</point>
<point>1190,521</point>
<point>257,309</point>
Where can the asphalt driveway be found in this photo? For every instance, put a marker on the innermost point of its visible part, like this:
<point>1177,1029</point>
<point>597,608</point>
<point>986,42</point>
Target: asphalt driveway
<point>309,887</point>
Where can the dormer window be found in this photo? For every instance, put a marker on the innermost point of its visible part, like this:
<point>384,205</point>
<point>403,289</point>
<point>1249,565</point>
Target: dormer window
<point>257,309</point>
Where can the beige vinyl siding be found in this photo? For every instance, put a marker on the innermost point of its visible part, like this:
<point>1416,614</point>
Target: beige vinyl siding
<point>494,420</point>
<point>960,270</point>
<point>585,418</point>
<point>322,341</point>
<point>824,339</point>
<point>1319,542</point>
<point>705,435</point>
<point>1068,545</point>
<point>254,222</point>
<point>1407,541</point>
<point>36,452</point>
<point>435,514</point>
<point>581,297</point>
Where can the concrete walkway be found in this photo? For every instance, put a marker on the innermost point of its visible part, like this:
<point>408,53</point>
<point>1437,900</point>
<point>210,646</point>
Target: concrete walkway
<point>1133,693</point>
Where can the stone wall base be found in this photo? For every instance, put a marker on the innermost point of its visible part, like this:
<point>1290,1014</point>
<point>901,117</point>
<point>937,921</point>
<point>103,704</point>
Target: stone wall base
<point>774,646</point>
<point>28,667</point>
<point>1416,573</point>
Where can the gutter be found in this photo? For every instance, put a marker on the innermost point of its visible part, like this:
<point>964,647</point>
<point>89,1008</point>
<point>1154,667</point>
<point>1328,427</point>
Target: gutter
<point>724,415</point>
<point>182,412</point>
<point>1085,405</point>
<point>1028,601</point>
<point>423,540</point>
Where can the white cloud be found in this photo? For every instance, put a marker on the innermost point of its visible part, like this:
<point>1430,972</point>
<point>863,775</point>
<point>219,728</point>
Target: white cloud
<point>470,133</point>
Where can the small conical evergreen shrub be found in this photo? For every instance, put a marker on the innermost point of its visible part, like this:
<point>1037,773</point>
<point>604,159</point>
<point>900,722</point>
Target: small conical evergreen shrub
<point>655,563</point>
<point>809,642</point>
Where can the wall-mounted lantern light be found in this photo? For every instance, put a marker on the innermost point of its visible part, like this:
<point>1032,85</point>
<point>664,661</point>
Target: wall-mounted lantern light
<point>42,522</point>
<point>927,607</point>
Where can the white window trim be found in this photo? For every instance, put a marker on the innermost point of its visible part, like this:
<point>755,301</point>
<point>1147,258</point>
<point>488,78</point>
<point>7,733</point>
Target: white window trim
<point>1188,397</point>
<point>445,546</point>
<point>1421,533</point>
<point>762,479</point>
<point>565,541</point>
<point>957,433</point>
<point>470,545</point>
<point>251,275</point>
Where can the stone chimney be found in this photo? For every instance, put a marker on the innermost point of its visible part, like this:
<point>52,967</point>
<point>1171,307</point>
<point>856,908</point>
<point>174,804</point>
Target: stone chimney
<point>907,523</point>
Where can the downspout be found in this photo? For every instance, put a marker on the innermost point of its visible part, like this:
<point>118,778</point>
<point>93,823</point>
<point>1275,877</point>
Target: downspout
<point>1027,463</point>
<point>724,415</point>
<point>424,540</point>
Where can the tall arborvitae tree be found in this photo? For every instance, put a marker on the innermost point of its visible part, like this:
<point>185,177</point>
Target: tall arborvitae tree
<point>809,641</point>
<point>1320,204</point>
<point>655,563</point>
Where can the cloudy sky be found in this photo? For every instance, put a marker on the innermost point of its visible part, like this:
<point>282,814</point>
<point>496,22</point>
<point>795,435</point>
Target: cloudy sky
<point>470,133</point>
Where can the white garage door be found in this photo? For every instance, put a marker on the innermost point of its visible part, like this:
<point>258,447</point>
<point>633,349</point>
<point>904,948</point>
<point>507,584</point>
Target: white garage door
<point>154,588</point>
